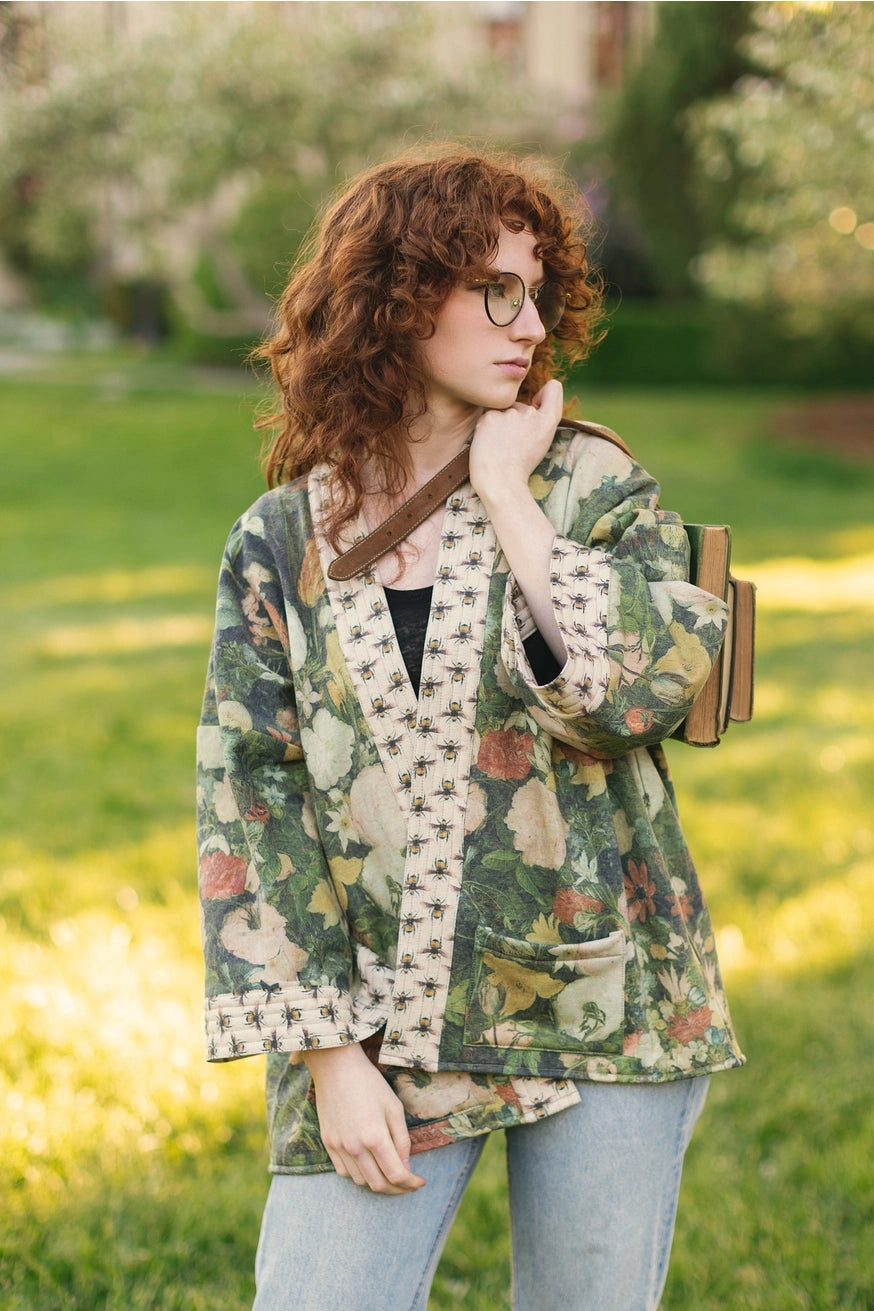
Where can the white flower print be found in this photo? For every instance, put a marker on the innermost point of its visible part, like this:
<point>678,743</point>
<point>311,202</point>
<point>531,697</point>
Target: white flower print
<point>210,754</point>
<point>297,642</point>
<point>256,575</point>
<point>252,523</point>
<point>232,714</point>
<point>539,830</point>
<point>375,810</point>
<point>257,944</point>
<point>649,782</point>
<point>382,867</point>
<point>224,802</point>
<point>327,746</point>
<point>650,1050</point>
<point>710,610</point>
<point>308,697</point>
<point>340,822</point>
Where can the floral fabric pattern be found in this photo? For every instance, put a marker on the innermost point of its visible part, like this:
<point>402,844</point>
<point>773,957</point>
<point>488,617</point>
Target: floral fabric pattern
<point>487,884</point>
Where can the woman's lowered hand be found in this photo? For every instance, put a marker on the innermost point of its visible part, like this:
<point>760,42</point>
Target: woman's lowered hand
<point>361,1121</point>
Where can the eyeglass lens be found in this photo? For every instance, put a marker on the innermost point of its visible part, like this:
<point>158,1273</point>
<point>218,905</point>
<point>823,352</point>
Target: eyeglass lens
<point>505,296</point>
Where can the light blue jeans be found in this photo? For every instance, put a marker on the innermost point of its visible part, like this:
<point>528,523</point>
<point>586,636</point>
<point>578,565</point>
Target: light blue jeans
<point>593,1196</point>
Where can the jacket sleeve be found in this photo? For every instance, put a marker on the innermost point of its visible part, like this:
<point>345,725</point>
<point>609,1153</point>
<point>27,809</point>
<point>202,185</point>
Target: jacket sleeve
<point>640,638</point>
<point>279,962</point>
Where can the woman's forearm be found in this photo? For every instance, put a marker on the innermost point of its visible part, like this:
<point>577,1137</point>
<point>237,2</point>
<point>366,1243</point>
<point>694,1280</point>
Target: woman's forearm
<point>526,537</point>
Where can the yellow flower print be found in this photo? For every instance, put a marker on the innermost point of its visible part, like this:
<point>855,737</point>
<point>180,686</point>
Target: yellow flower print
<point>311,581</point>
<point>521,986</point>
<point>539,487</point>
<point>544,929</point>
<point>329,899</point>
<point>685,664</point>
<point>593,776</point>
<point>334,660</point>
<point>344,873</point>
<point>324,902</point>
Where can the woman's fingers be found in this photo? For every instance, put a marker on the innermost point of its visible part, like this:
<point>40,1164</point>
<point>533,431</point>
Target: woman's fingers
<point>362,1121</point>
<point>509,444</point>
<point>550,402</point>
<point>379,1168</point>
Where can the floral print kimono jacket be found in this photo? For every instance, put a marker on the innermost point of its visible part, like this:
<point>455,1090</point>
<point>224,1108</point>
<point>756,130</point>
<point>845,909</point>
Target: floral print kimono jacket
<point>487,884</point>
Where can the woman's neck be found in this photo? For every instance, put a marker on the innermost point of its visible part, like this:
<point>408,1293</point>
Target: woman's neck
<point>434,440</point>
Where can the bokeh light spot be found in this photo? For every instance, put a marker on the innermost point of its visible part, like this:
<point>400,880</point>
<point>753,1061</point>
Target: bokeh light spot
<point>843,219</point>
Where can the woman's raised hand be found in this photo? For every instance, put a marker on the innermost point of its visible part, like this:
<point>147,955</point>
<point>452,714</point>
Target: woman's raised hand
<point>361,1121</point>
<point>507,447</point>
<point>509,444</point>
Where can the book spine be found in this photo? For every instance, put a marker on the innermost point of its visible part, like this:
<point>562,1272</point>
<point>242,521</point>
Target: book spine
<point>710,546</point>
<point>743,650</point>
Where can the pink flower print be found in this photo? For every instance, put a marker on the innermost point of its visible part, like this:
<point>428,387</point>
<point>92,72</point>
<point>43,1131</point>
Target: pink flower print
<point>221,876</point>
<point>639,720</point>
<point>640,891</point>
<point>504,753</point>
<point>694,1024</point>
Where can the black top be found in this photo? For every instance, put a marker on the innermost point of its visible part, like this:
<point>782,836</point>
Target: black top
<point>410,611</point>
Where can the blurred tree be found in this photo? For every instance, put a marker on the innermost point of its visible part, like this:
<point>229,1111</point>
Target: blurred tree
<point>655,206</point>
<point>799,141</point>
<point>191,156</point>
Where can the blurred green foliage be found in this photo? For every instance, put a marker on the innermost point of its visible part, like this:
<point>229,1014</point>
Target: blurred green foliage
<point>653,342</point>
<point>737,160</point>
<point>790,149</point>
<point>188,152</point>
<point>695,54</point>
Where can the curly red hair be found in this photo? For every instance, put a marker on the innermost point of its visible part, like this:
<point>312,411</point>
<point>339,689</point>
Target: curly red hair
<point>368,286</point>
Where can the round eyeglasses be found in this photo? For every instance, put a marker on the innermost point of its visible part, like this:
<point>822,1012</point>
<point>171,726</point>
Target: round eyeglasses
<point>504,297</point>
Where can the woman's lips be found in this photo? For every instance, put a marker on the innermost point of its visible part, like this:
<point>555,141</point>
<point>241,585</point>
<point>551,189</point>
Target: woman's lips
<point>516,369</point>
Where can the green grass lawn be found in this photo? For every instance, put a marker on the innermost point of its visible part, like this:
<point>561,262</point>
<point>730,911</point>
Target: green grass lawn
<point>132,1172</point>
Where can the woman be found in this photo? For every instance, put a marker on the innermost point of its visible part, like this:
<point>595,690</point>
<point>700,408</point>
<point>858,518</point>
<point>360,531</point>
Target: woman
<point>444,885</point>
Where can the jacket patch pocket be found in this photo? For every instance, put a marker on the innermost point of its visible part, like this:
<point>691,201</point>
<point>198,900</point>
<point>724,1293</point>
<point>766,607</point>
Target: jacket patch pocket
<point>569,997</point>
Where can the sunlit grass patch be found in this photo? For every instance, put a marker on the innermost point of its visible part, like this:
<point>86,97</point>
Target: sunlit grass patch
<point>101,1028</point>
<point>120,636</point>
<point>797,583</point>
<point>114,1128</point>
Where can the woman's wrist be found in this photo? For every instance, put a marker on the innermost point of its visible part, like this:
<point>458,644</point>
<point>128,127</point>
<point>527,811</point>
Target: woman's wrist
<point>323,1061</point>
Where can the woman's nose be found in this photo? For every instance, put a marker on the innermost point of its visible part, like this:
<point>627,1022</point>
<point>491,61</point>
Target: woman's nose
<point>527,325</point>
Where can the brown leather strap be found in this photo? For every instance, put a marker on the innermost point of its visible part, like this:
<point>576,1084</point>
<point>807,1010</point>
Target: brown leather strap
<point>401,523</point>
<point>408,516</point>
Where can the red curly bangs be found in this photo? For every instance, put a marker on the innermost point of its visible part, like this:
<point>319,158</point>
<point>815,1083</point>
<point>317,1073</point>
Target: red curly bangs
<point>367,289</point>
